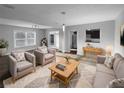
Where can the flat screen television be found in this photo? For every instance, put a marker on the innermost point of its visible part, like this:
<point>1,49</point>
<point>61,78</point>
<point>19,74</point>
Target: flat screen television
<point>93,35</point>
<point>122,35</point>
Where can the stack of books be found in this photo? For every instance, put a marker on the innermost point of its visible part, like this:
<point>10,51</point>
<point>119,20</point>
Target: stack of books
<point>60,66</point>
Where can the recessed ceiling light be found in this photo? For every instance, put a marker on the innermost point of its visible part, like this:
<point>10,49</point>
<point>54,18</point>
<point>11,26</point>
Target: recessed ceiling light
<point>8,6</point>
<point>63,12</point>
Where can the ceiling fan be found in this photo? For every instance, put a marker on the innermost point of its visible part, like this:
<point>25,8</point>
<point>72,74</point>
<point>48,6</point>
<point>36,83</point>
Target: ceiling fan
<point>8,6</point>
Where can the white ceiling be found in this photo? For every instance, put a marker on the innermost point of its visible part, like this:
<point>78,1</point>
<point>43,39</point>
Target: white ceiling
<point>21,23</point>
<point>50,14</point>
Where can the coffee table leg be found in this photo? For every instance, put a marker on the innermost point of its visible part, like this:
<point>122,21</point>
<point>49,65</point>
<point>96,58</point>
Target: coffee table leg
<point>51,74</point>
<point>76,70</point>
<point>66,83</point>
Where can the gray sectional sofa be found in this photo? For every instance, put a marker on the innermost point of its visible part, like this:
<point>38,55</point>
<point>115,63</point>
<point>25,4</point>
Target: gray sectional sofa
<point>105,75</point>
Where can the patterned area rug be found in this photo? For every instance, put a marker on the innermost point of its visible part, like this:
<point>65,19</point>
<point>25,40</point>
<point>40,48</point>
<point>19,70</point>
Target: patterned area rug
<point>44,82</point>
<point>41,78</point>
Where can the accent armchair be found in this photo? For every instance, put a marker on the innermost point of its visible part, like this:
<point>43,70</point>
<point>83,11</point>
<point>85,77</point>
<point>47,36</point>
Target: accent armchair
<point>19,69</point>
<point>45,57</point>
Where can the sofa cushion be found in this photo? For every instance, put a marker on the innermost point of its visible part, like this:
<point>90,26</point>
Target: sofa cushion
<point>48,56</point>
<point>120,69</point>
<point>19,56</point>
<point>23,65</point>
<point>101,59</point>
<point>103,69</point>
<point>102,79</point>
<point>117,59</point>
<point>43,49</point>
<point>117,83</point>
<point>109,61</point>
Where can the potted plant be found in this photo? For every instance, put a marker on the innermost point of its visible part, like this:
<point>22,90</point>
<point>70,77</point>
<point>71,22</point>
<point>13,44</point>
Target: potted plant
<point>3,46</point>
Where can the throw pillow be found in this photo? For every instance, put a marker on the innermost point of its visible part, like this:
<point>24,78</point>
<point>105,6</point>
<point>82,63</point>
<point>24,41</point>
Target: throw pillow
<point>109,61</point>
<point>43,49</point>
<point>19,56</point>
<point>117,83</point>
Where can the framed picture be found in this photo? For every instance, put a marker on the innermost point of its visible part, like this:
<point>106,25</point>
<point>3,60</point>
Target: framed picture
<point>122,35</point>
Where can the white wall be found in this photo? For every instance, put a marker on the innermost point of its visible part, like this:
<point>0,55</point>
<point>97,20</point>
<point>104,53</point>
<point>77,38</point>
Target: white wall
<point>60,36</point>
<point>56,39</point>
<point>7,33</point>
<point>107,29</point>
<point>118,22</point>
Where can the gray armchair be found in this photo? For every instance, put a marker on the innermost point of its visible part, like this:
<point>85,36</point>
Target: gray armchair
<point>19,69</point>
<point>45,58</point>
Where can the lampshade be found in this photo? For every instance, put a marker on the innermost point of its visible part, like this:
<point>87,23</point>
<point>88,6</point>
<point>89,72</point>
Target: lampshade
<point>109,50</point>
<point>63,27</point>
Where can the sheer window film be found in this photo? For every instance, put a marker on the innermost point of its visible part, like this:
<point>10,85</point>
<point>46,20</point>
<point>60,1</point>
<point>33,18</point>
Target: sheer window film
<point>20,43</point>
<point>22,39</point>
<point>31,38</point>
<point>20,35</point>
<point>30,42</point>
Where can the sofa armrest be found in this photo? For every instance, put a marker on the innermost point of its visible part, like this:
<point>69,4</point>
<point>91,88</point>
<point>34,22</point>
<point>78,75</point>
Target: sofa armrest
<point>31,58</point>
<point>52,51</point>
<point>39,56</point>
<point>12,66</point>
<point>101,59</point>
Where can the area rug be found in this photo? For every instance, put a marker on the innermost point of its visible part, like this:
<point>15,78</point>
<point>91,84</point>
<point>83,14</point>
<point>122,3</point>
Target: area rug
<point>41,78</point>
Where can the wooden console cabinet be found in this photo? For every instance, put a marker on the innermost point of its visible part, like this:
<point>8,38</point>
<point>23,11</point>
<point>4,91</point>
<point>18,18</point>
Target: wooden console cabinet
<point>96,51</point>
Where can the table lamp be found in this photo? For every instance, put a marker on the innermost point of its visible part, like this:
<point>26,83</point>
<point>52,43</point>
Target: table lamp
<point>109,50</point>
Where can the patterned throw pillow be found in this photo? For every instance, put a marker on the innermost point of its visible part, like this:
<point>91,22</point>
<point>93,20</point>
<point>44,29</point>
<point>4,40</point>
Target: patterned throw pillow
<point>117,83</point>
<point>43,49</point>
<point>19,56</point>
<point>109,61</point>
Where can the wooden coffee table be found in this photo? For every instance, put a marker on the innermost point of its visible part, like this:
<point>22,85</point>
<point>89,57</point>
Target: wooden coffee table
<point>66,75</point>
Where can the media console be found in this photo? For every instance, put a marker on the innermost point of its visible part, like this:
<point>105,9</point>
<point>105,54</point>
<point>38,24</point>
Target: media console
<point>96,51</point>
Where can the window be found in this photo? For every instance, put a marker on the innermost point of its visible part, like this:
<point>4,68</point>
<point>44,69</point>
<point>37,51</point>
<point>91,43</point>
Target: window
<point>22,39</point>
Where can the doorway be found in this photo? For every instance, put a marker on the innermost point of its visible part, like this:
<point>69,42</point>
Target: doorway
<point>54,39</point>
<point>73,42</point>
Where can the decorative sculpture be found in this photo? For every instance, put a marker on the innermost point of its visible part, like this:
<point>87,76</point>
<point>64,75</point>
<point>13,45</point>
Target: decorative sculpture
<point>44,42</point>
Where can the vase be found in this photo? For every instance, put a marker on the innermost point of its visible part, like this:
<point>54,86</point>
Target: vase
<point>2,51</point>
<point>67,61</point>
